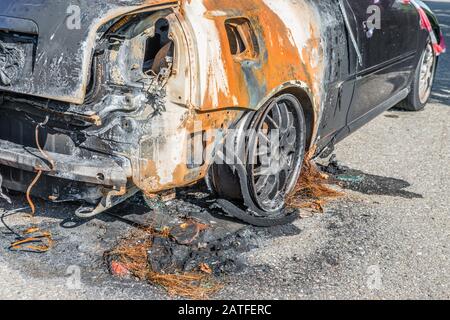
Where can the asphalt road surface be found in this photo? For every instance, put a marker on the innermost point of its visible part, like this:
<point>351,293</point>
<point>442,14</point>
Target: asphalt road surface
<point>387,239</point>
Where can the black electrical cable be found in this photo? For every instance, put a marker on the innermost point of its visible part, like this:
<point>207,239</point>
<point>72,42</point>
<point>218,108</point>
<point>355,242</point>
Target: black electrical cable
<point>2,220</point>
<point>22,240</point>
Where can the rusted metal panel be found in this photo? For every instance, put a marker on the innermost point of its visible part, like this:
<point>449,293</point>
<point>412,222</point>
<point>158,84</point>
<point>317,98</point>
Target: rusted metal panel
<point>290,51</point>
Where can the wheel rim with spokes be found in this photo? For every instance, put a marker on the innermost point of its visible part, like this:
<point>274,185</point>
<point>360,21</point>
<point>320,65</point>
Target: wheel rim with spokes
<point>426,74</point>
<point>276,152</point>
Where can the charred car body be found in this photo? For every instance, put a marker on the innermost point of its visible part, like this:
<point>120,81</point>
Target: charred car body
<point>100,99</point>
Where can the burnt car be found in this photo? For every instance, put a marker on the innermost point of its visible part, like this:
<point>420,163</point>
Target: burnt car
<point>101,99</point>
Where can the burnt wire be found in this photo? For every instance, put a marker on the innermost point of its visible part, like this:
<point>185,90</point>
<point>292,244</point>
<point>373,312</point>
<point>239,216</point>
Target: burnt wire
<point>29,189</point>
<point>11,230</point>
<point>32,240</point>
<point>39,172</point>
<point>45,154</point>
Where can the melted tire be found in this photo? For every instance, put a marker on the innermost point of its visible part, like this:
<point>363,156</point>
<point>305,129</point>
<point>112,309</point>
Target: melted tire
<point>234,184</point>
<point>285,216</point>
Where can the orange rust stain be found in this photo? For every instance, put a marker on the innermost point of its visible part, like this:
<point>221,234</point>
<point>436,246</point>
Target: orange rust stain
<point>179,174</point>
<point>280,60</point>
<point>148,179</point>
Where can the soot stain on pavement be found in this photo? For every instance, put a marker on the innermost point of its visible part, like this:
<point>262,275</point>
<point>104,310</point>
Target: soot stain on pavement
<point>370,184</point>
<point>379,185</point>
<point>187,233</point>
<point>351,235</point>
<point>82,243</point>
<point>77,249</point>
<point>221,244</point>
<point>81,248</point>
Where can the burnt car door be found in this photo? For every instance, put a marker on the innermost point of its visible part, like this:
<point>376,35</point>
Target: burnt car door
<point>386,36</point>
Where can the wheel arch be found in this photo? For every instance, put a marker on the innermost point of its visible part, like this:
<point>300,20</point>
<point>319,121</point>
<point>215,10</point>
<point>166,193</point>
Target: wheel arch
<point>432,18</point>
<point>301,91</point>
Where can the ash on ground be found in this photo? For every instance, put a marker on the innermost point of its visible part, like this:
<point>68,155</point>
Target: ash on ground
<point>190,233</point>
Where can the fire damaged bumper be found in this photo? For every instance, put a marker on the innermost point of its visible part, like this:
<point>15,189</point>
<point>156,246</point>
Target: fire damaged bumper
<point>92,177</point>
<point>98,170</point>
